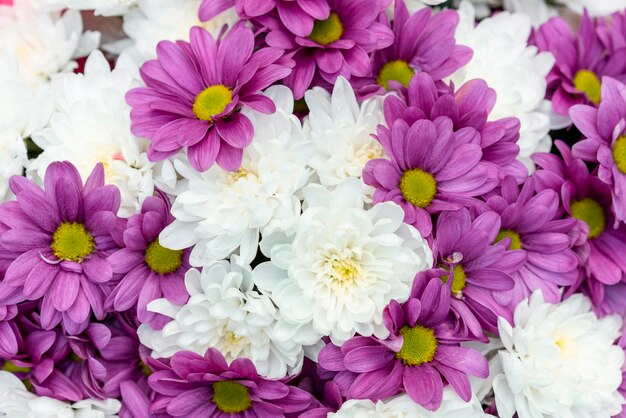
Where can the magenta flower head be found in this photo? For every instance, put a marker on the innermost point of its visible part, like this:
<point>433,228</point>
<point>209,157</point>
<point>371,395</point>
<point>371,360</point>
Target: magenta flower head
<point>423,42</point>
<point>473,267</point>
<point>190,385</point>
<point>530,224</point>
<point>430,169</point>
<point>194,91</point>
<point>421,353</point>
<point>57,240</point>
<point>468,108</point>
<point>338,45</point>
<point>297,15</point>
<point>604,129</point>
<point>600,247</point>
<point>150,271</point>
<point>582,59</point>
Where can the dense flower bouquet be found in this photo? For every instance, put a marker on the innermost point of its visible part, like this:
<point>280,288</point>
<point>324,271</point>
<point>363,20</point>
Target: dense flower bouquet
<point>312,208</point>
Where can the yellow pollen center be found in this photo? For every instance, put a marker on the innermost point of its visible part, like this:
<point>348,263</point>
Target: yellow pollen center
<point>71,241</point>
<point>418,187</point>
<point>588,82</point>
<point>516,241</point>
<point>395,70</point>
<point>419,345</point>
<point>163,260</point>
<point>212,101</point>
<point>619,153</point>
<point>231,397</point>
<point>590,212</point>
<point>325,32</point>
<point>459,279</point>
<point>345,271</point>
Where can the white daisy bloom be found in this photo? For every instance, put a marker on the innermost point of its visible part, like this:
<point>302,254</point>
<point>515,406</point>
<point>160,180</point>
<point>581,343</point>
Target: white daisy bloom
<point>91,124</point>
<point>100,7</point>
<point>44,43</point>
<point>224,211</point>
<point>156,20</point>
<point>341,131</point>
<point>224,312</point>
<point>17,402</point>
<point>558,361</point>
<point>513,69</point>
<point>342,266</point>
<point>402,406</point>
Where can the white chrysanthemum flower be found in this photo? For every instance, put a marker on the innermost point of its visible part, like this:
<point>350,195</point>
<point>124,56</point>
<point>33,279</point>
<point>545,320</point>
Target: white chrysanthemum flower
<point>17,402</point>
<point>224,312</point>
<point>44,43</point>
<point>100,7</point>
<point>13,159</point>
<point>224,211</point>
<point>156,20</point>
<point>341,131</point>
<point>342,266</point>
<point>402,406</point>
<point>595,7</point>
<point>91,124</point>
<point>513,69</point>
<point>559,361</point>
<point>537,10</point>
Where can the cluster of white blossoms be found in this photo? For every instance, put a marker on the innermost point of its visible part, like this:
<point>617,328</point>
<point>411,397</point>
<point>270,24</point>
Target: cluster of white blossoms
<point>17,402</point>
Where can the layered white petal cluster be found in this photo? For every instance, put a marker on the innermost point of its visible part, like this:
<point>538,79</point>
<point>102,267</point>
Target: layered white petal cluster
<point>342,266</point>
<point>17,402</point>
<point>223,212</point>
<point>224,312</point>
<point>558,361</point>
<point>100,7</point>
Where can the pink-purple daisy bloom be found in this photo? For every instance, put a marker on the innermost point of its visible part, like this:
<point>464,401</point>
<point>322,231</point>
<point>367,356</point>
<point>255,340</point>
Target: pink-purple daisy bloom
<point>208,387</point>
<point>423,42</point>
<point>599,245</point>
<point>598,49</point>
<point>195,90</point>
<point>421,355</point>
<point>297,15</point>
<point>55,242</point>
<point>530,223</point>
<point>150,271</point>
<point>473,267</point>
<point>430,169</point>
<point>337,46</point>
<point>604,129</point>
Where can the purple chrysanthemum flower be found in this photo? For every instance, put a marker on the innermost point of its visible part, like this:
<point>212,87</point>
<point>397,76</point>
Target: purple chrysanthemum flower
<point>421,353</point>
<point>195,91</point>
<point>430,169</point>
<point>582,59</point>
<point>423,42</point>
<point>599,245</point>
<point>468,108</point>
<point>192,385</point>
<point>530,223</point>
<point>55,242</point>
<point>150,270</point>
<point>465,246</point>
<point>604,129</point>
<point>297,15</point>
<point>337,46</point>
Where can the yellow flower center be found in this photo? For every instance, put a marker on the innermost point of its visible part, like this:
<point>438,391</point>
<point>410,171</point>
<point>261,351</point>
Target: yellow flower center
<point>71,241</point>
<point>619,153</point>
<point>516,241</point>
<point>325,32</point>
<point>395,70</point>
<point>345,270</point>
<point>459,279</point>
<point>418,187</point>
<point>419,345</point>
<point>588,82</point>
<point>231,397</point>
<point>212,101</point>
<point>163,260</point>
<point>590,212</point>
